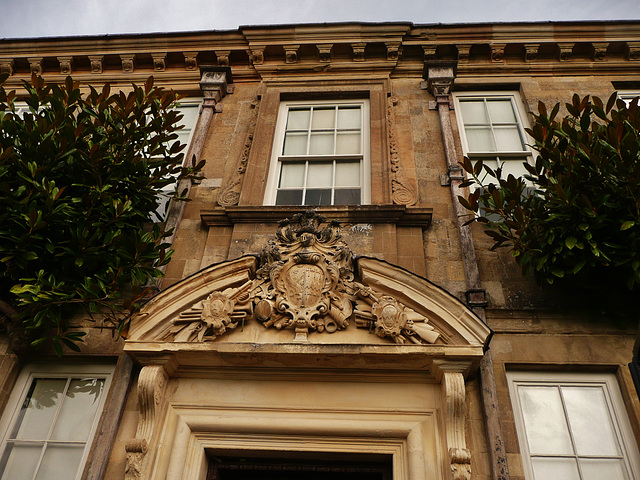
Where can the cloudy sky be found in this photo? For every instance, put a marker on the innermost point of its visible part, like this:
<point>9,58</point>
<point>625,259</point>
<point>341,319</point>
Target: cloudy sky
<point>39,18</point>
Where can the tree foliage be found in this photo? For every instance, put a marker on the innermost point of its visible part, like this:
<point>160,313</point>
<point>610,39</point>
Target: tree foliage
<point>80,176</point>
<point>577,211</point>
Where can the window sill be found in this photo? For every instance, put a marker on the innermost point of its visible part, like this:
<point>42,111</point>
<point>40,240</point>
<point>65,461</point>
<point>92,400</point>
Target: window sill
<point>394,214</point>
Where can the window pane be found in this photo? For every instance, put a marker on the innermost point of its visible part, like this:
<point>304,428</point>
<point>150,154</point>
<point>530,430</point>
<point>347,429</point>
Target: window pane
<point>473,111</point>
<point>321,144</point>
<point>347,174</point>
<point>590,421</point>
<point>347,196</point>
<point>513,166</point>
<point>320,174</point>
<point>289,197</point>
<point>603,468</point>
<point>501,111</point>
<point>60,461</point>
<point>555,469</point>
<point>295,144</point>
<point>39,408</point>
<point>78,410</point>
<point>544,422</point>
<point>323,118</point>
<point>348,143</point>
<point>318,197</point>
<point>508,139</point>
<point>349,117</point>
<point>292,175</point>
<point>298,119</point>
<point>20,461</point>
<point>480,140</point>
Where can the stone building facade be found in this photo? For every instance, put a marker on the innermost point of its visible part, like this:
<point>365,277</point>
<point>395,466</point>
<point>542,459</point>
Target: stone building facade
<point>375,337</point>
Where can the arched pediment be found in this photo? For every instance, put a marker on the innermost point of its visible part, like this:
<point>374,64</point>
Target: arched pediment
<point>306,287</point>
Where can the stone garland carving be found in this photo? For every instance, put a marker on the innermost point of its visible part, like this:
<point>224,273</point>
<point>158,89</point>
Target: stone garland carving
<point>151,386</point>
<point>230,194</point>
<point>305,283</point>
<point>401,194</point>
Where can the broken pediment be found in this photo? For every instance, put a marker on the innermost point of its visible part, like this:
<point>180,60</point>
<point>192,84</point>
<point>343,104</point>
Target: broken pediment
<point>306,287</point>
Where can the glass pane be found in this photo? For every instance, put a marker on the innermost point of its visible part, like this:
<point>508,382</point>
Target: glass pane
<point>590,421</point>
<point>347,143</point>
<point>292,175</point>
<point>78,409</point>
<point>347,174</point>
<point>473,111</point>
<point>555,469</point>
<point>321,144</point>
<point>501,111</point>
<point>318,197</point>
<point>508,139</point>
<point>320,174</point>
<point>544,422</point>
<point>21,461</point>
<point>513,166</point>
<point>298,119</point>
<point>289,197</point>
<point>60,461</point>
<point>323,118</point>
<point>295,144</point>
<point>480,140</point>
<point>190,113</point>
<point>39,408</point>
<point>349,117</point>
<point>607,468</point>
<point>347,196</point>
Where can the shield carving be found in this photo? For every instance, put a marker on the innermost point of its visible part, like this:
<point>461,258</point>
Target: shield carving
<point>305,285</point>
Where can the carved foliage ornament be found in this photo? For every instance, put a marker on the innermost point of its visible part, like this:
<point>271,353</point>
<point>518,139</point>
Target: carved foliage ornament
<point>305,283</point>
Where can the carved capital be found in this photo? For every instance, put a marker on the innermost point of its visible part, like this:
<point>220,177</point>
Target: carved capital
<point>358,51</point>
<point>566,51</point>
<point>223,57</point>
<point>393,51</point>
<point>66,65</point>
<point>324,52</point>
<point>291,53</point>
<point>531,52</point>
<point>600,51</point>
<point>497,52</point>
<point>190,60</point>
<point>96,63</point>
<point>463,53</point>
<point>35,65</point>
<point>6,66</point>
<point>159,62</point>
<point>440,75</point>
<point>136,450</point>
<point>128,63</point>
<point>214,83</point>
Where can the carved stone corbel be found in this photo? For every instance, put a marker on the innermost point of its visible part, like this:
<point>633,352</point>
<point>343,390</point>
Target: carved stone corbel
<point>324,52</point>
<point>230,194</point>
<point>151,389</point>
<point>35,65</point>
<point>96,63</point>
<point>497,52</point>
<point>358,51</point>
<point>291,53</point>
<point>634,50</point>
<point>566,51</point>
<point>223,57</point>
<point>393,51</point>
<point>256,54</point>
<point>450,374</point>
<point>159,62</point>
<point>190,60</point>
<point>128,63</point>
<point>214,83</point>
<point>66,65</point>
<point>531,52</point>
<point>600,51</point>
<point>463,53</point>
<point>6,66</point>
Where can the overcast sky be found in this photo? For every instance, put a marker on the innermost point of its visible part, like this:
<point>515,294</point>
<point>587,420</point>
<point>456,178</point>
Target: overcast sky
<point>40,18</point>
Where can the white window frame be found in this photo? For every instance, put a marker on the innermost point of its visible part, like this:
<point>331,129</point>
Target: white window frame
<point>606,381</point>
<point>521,118</point>
<point>21,388</point>
<point>276,156</point>
<point>627,95</point>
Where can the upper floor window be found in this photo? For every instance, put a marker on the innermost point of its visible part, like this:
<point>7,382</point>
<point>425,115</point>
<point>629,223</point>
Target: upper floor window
<point>491,130</point>
<point>320,154</point>
<point>572,426</point>
<point>49,422</point>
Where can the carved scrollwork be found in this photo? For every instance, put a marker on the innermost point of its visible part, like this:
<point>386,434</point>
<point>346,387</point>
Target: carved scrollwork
<point>401,193</point>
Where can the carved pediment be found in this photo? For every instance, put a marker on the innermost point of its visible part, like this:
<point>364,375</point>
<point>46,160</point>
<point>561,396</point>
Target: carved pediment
<point>306,285</point>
